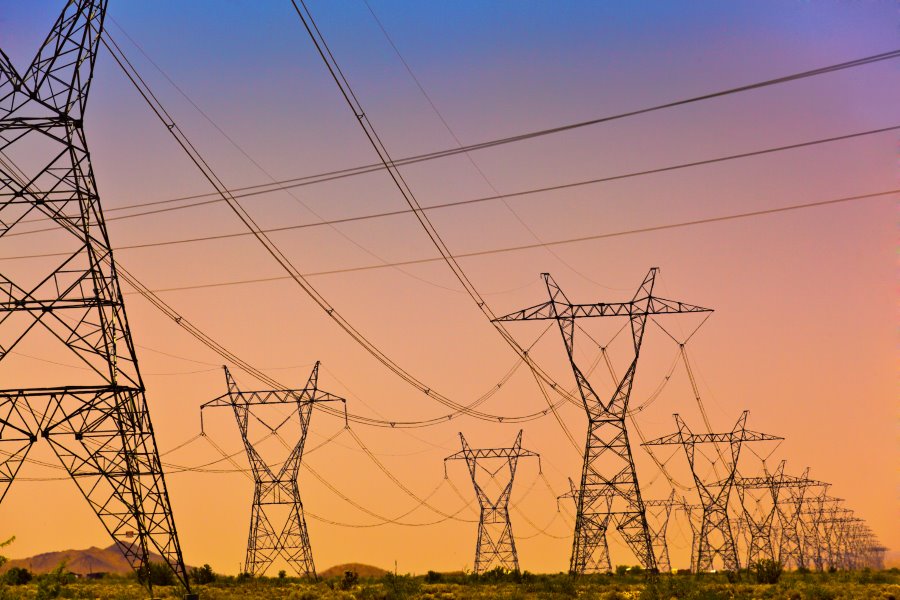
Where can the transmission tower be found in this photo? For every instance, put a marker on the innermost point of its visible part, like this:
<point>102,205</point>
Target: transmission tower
<point>496,546</point>
<point>792,550</point>
<point>276,490</point>
<point>715,537</point>
<point>609,487</point>
<point>758,516</point>
<point>691,511</point>
<point>658,514</point>
<point>821,518</point>
<point>601,552</point>
<point>70,308</point>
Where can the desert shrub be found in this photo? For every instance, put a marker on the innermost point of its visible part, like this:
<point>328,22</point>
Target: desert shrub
<point>17,576</point>
<point>551,585</point>
<point>52,584</point>
<point>818,592</point>
<point>433,577</point>
<point>156,573</point>
<point>400,587</point>
<point>349,580</point>
<point>202,575</point>
<point>666,587</point>
<point>767,571</point>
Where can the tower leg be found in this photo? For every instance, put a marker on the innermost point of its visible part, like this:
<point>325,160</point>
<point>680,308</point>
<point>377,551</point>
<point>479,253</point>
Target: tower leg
<point>609,488</point>
<point>105,441</point>
<point>295,540</point>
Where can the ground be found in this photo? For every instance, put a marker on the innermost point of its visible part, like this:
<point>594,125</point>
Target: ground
<point>866,585</point>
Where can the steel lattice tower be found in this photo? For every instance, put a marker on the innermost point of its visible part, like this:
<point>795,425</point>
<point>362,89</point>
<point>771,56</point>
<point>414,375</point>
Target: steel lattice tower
<point>609,489</point>
<point>71,308</point>
<point>791,546</point>
<point>496,546</point>
<point>690,511</point>
<point>815,538</point>
<point>715,536</point>
<point>658,513</point>
<point>273,489</point>
<point>759,522</point>
<point>601,553</point>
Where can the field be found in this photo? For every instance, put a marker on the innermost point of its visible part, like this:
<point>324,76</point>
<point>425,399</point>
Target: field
<point>864,585</point>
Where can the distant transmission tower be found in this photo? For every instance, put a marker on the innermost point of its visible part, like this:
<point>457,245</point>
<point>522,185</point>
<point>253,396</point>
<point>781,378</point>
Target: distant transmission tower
<point>759,513</point>
<point>496,546</point>
<point>715,537</point>
<point>791,547</point>
<point>659,512</point>
<point>609,487</point>
<point>70,307</point>
<point>265,543</point>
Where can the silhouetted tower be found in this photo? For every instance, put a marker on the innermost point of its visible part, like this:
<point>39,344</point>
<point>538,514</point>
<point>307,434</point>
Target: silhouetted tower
<point>758,511</point>
<point>601,558</point>
<point>818,515</point>
<point>808,522</point>
<point>791,546</point>
<point>67,306</point>
<point>715,537</point>
<point>496,546</point>
<point>274,490</point>
<point>608,462</point>
<point>658,514</point>
<point>694,514</point>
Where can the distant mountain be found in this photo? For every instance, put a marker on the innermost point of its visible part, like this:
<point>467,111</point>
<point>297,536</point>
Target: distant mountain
<point>359,569</point>
<point>91,560</point>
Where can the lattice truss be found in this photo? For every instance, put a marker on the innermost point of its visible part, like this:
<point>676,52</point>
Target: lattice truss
<point>609,490</point>
<point>715,537</point>
<point>658,514</point>
<point>496,546</point>
<point>70,309</point>
<point>758,499</point>
<point>277,525</point>
<point>834,538</point>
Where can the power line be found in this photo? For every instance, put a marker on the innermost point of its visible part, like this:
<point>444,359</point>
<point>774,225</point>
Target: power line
<point>573,240</point>
<point>468,155</point>
<point>282,260</point>
<point>362,169</point>
<point>457,203</point>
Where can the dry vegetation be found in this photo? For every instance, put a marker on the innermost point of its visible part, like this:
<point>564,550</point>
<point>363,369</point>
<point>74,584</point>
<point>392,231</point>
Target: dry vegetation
<point>864,585</point>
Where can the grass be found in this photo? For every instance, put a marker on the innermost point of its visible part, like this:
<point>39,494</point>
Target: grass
<point>864,585</point>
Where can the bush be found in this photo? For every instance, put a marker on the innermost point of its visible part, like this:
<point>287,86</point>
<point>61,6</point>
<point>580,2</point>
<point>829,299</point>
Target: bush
<point>818,592</point>
<point>349,580</point>
<point>17,576</point>
<point>156,573</point>
<point>767,571</point>
<point>400,587</point>
<point>202,575</point>
<point>51,585</point>
<point>666,587</point>
<point>433,577</point>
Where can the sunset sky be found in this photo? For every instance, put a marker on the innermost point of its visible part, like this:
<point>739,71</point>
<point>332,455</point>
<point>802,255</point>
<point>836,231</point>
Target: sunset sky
<point>804,329</point>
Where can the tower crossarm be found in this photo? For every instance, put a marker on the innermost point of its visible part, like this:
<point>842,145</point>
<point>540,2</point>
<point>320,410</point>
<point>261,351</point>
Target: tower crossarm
<point>496,546</point>
<point>492,453</point>
<point>561,310</point>
<point>731,437</point>
<point>236,398</point>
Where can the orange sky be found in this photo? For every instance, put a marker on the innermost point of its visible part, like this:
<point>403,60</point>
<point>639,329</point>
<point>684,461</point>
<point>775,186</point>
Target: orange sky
<point>804,300</point>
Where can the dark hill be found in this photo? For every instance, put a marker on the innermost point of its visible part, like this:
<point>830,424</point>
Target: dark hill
<point>91,560</point>
<point>359,569</point>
